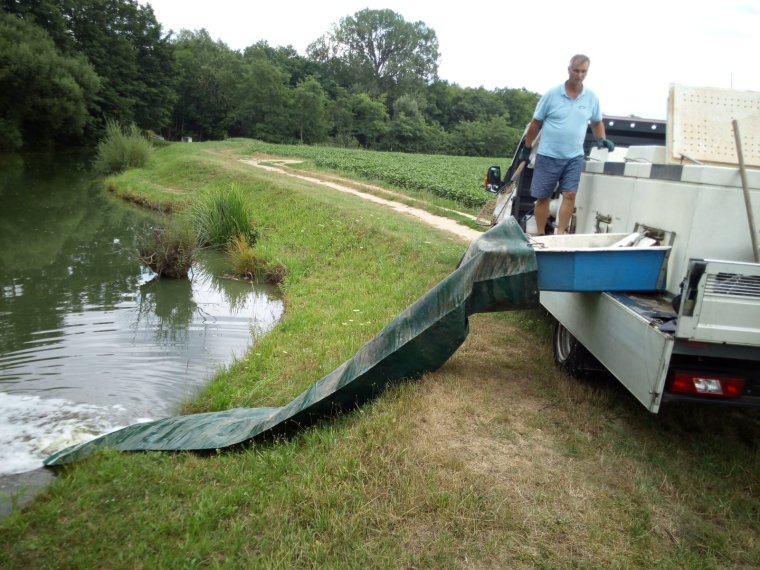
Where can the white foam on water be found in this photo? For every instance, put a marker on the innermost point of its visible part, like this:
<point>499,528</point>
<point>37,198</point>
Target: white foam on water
<point>32,428</point>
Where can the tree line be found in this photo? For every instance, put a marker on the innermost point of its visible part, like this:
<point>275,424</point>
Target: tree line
<point>67,67</point>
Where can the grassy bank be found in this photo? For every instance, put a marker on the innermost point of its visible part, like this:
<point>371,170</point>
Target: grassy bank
<point>496,460</point>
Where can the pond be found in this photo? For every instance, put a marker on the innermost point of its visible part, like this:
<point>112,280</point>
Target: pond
<point>90,339</point>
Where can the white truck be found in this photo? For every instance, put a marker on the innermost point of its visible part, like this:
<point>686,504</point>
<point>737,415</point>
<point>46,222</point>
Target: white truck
<point>698,338</point>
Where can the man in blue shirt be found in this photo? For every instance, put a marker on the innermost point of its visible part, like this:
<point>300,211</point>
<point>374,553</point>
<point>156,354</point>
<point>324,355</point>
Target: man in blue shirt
<point>562,116</point>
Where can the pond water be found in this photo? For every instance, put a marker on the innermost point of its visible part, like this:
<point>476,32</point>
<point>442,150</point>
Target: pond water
<point>90,340</point>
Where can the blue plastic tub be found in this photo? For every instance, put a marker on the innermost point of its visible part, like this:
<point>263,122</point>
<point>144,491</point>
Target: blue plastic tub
<point>590,262</point>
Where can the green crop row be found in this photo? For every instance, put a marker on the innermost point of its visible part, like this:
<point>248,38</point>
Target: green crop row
<point>457,178</point>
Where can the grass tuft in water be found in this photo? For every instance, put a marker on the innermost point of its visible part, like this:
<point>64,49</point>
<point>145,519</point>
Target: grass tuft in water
<point>167,250</point>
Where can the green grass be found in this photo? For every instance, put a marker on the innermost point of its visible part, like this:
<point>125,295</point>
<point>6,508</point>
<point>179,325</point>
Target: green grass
<point>497,460</point>
<point>173,179</point>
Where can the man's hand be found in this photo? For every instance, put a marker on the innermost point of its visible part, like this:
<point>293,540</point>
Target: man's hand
<point>605,143</point>
<point>524,154</point>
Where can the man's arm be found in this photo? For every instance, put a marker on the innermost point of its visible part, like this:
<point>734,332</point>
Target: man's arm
<point>597,127</point>
<point>533,128</point>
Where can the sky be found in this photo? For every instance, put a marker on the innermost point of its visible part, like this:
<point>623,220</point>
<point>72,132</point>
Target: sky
<point>637,49</point>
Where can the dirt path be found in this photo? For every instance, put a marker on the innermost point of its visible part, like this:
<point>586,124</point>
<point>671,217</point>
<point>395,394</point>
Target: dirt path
<point>440,222</point>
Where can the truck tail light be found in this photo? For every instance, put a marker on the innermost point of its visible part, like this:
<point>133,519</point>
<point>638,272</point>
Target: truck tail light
<point>706,384</point>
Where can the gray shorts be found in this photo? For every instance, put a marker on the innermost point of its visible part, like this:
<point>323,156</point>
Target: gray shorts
<point>548,172</point>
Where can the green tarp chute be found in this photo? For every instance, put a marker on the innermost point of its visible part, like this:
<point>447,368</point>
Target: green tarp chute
<point>498,272</point>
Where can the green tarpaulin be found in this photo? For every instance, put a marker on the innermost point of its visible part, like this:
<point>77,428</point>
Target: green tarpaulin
<point>498,272</point>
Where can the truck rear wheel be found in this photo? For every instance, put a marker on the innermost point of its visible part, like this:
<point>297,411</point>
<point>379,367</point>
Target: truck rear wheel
<point>569,354</point>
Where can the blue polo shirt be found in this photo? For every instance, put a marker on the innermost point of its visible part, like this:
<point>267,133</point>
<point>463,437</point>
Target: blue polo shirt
<point>565,121</point>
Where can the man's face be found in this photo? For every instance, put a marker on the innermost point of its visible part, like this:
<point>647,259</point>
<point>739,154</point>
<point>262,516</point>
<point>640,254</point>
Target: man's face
<point>577,72</point>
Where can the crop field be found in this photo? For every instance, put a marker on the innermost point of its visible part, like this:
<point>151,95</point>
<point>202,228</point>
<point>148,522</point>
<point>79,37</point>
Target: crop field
<point>456,178</point>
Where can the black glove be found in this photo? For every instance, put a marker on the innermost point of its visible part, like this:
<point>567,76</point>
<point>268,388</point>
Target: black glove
<point>605,143</point>
<point>524,154</point>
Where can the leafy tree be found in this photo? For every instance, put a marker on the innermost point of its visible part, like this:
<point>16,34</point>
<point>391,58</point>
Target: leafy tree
<point>341,119</point>
<point>309,111</point>
<point>468,138</point>
<point>370,120</point>
<point>493,137</point>
<point>520,103</point>
<point>48,15</point>
<point>207,72</point>
<point>475,104</point>
<point>157,68</point>
<point>370,81</point>
<point>377,49</point>
<point>436,141</point>
<point>44,95</point>
<point>501,139</point>
<point>287,58</point>
<point>439,98</point>
<point>407,128</point>
<point>126,46</point>
<point>261,101</point>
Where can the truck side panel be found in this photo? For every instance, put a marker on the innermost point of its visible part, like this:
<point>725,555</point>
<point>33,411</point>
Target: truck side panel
<point>623,341</point>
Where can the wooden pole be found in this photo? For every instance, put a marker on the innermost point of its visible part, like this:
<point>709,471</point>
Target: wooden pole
<point>745,189</point>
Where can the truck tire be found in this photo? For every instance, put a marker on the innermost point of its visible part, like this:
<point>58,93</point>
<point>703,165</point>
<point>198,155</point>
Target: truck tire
<point>569,354</point>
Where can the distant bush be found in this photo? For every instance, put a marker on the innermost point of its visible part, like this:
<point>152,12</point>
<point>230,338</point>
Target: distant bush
<point>168,250</point>
<point>10,136</point>
<point>220,215</point>
<point>156,140</point>
<point>122,148</point>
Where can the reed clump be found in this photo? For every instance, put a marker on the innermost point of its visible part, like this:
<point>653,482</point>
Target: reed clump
<point>122,148</point>
<point>220,215</point>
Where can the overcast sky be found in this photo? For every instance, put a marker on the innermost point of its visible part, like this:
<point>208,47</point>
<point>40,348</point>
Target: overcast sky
<point>636,48</point>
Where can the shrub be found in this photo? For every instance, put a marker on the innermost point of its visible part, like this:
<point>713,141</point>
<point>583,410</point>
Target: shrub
<point>10,136</point>
<point>121,149</point>
<point>169,250</point>
<point>220,215</point>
